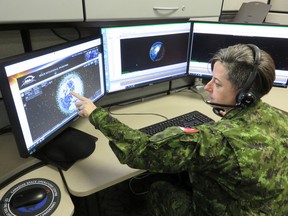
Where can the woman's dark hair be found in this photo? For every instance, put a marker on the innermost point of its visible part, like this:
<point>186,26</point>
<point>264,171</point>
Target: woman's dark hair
<point>239,62</point>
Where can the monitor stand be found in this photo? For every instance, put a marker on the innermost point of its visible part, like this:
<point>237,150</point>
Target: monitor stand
<point>68,147</point>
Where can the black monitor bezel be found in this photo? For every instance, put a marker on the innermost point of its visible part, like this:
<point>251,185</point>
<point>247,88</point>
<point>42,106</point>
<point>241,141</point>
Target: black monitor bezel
<point>10,104</point>
<point>156,81</point>
<point>207,77</point>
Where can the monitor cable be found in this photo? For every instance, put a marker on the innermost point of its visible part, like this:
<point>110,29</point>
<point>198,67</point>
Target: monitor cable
<point>5,129</point>
<point>155,114</point>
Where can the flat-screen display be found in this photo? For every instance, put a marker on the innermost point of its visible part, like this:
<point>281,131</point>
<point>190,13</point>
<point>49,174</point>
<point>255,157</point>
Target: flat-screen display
<point>144,54</point>
<point>207,38</point>
<point>36,89</point>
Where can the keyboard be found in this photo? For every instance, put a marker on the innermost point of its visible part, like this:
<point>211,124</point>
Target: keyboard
<point>188,120</point>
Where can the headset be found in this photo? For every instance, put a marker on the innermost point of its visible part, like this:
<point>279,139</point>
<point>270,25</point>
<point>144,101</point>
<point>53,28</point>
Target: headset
<point>246,97</point>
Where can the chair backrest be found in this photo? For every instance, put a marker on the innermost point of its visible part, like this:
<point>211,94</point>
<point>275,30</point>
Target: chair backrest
<point>252,12</point>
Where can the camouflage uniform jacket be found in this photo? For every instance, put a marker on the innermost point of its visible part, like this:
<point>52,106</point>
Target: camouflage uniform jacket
<point>237,166</point>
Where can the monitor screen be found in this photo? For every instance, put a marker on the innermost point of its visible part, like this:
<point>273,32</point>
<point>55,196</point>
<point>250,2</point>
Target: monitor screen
<point>36,89</point>
<point>207,38</point>
<point>144,54</point>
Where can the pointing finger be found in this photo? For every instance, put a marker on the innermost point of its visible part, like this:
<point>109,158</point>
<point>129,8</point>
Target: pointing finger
<point>80,97</point>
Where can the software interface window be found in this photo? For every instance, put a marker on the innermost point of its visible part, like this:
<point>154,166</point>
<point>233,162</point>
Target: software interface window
<point>144,54</point>
<point>208,38</point>
<point>43,82</point>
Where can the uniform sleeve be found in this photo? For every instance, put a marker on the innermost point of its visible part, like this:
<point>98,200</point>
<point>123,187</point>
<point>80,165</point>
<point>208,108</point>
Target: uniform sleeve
<point>168,151</point>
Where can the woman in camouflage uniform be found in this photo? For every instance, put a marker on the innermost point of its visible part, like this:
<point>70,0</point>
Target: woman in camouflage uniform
<point>236,166</point>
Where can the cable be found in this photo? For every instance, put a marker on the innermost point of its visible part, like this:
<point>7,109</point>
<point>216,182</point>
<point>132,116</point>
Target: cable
<point>182,89</point>
<point>64,180</point>
<point>139,177</point>
<point>66,39</point>
<point>176,179</point>
<point>5,129</point>
<point>156,114</point>
<point>127,103</point>
<point>21,173</point>
<point>193,90</point>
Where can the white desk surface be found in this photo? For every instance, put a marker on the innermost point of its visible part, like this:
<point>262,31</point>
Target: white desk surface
<point>10,162</point>
<point>277,97</point>
<point>102,169</point>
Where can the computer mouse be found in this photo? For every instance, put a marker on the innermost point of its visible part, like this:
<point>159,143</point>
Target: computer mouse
<point>28,197</point>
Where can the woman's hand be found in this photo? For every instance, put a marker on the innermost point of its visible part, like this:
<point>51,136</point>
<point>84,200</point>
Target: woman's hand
<point>85,106</point>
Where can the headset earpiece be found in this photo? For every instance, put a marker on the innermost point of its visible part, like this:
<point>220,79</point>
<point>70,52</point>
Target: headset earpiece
<point>245,96</point>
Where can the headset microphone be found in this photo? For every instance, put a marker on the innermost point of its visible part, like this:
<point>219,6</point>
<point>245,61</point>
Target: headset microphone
<point>219,107</point>
<point>222,105</point>
<point>218,110</point>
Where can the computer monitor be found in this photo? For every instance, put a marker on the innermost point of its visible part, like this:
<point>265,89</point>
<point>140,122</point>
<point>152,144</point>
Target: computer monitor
<point>36,90</point>
<point>141,55</point>
<point>207,38</point>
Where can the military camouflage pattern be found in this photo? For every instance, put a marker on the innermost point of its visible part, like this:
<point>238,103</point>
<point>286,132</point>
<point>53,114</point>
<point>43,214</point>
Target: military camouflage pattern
<point>237,166</point>
<point>177,201</point>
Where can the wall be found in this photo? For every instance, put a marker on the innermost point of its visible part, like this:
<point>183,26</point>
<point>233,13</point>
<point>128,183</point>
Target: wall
<point>278,13</point>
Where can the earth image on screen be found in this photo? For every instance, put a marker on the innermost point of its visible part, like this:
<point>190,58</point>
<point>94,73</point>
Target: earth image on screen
<point>65,101</point>
<point>157,51</point>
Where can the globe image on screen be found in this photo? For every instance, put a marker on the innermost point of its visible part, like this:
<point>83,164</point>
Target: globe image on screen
<point>157,51</point>
<point>65,101</point>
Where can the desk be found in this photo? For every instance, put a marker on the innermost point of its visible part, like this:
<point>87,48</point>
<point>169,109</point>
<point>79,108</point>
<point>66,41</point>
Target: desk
<point>11,164</point>
<point>102,169</point>
<point>277,97</point>
<point>65,206</point>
